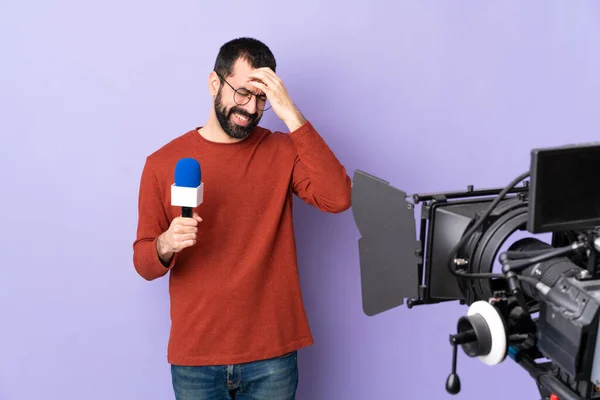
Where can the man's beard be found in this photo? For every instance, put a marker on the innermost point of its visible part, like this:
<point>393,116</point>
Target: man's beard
<point>231,128</point>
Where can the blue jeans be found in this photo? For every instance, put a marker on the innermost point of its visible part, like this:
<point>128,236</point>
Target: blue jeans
<point>272,379</point>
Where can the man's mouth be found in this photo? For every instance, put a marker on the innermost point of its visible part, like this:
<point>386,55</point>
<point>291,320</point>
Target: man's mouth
<point>241,119</point>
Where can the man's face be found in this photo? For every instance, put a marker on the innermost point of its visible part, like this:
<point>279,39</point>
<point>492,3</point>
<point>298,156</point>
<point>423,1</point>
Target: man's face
<point>236,118</point>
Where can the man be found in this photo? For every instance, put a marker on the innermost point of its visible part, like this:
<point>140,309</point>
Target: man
<point>236,306</point>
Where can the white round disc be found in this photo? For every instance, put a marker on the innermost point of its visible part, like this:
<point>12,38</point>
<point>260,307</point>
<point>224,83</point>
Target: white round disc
<point>498,333</point>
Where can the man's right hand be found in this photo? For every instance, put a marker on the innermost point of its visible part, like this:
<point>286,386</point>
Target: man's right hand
<point>181,234</point>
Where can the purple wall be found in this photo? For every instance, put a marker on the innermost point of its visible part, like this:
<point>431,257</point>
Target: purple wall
<point>400,91</point>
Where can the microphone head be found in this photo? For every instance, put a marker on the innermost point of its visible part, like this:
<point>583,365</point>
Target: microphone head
<point>187,173</point>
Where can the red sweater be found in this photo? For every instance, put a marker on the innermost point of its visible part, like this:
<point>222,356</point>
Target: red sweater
<point>235,295</point>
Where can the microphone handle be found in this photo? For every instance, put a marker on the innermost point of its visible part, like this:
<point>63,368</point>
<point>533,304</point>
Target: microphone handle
<point>187,212</point>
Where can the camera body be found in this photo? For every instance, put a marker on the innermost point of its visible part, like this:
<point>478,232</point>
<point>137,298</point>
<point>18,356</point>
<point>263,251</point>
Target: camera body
<point>462,234</point>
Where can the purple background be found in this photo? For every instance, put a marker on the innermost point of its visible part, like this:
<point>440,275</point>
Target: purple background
<point>398,89</point>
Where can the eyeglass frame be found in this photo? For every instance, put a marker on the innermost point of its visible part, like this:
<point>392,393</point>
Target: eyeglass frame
<point>235,91</point>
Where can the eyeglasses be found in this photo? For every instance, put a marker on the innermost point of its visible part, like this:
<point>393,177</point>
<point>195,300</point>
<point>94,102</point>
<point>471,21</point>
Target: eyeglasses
<point>242,96</point>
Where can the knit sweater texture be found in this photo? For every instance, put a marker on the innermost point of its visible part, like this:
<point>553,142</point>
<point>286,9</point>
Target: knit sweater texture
<point>235,295</point>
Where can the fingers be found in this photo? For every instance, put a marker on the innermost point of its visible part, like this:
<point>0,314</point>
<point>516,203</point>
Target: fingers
<point>187,243</point>
<point>187,221</point>
<point>186,225</point>
<point>180,245</point>
<point>183,232</point>
<point>179,229</point>
<point>268,71</point>
<point>267,76</point>
<point>183,240</point>
<point>186,237</point>
<point>260,86</point>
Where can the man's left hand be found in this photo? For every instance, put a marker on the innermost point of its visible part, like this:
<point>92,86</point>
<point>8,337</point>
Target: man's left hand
<point>283,106</point>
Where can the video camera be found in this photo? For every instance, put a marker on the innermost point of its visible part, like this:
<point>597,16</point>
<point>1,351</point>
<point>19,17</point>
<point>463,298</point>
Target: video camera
<point>452,259</point>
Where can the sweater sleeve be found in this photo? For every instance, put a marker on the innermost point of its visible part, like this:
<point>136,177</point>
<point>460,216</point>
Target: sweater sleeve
<point>319,179</point>
<point>152,222</point>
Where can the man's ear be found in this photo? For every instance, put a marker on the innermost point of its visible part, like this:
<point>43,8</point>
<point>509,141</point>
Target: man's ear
<point>214,82</point>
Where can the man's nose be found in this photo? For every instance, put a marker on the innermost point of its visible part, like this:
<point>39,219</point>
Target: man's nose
<point>251,106</point>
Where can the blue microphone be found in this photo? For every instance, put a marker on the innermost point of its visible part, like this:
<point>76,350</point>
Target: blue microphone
<point>188,190</point>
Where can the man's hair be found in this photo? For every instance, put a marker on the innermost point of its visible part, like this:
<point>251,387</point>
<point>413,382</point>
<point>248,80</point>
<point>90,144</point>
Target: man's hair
<point>255,52</point>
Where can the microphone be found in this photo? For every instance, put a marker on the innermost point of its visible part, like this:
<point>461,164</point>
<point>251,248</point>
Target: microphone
<point>188,190</point>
